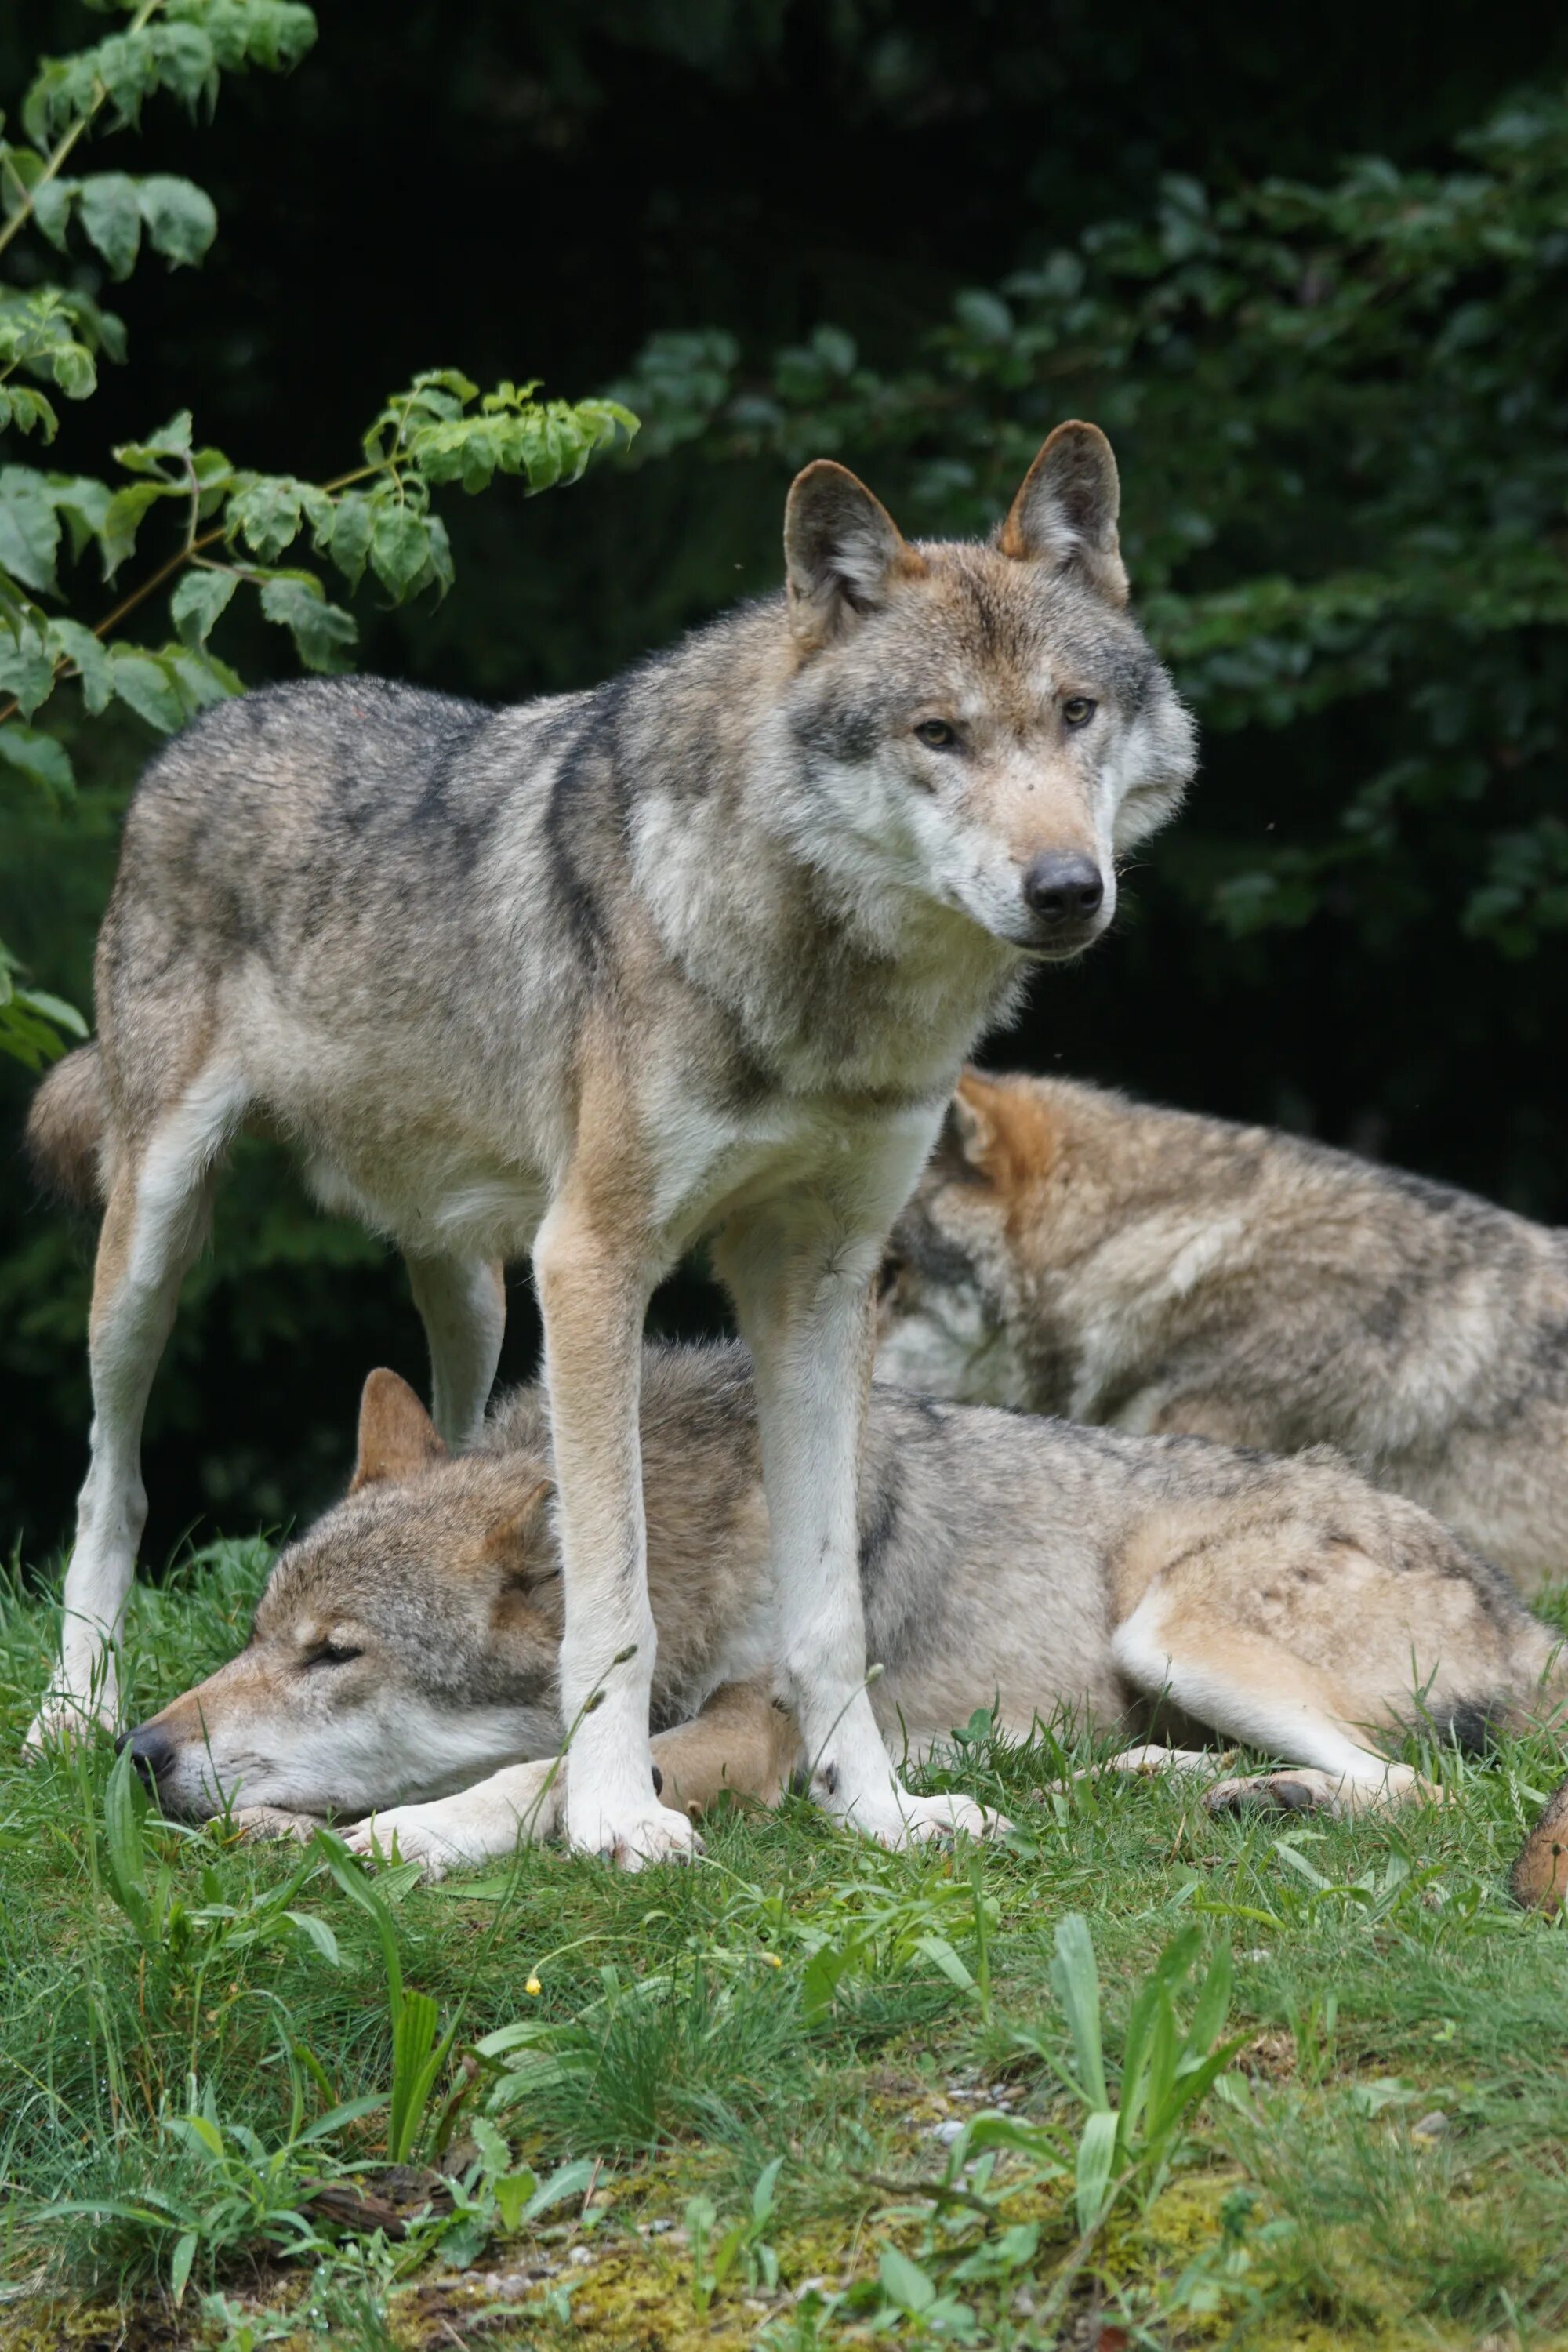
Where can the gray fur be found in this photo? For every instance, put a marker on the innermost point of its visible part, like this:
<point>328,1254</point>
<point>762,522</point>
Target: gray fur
<point>1071,1251</point>
<point>1006,1562</point>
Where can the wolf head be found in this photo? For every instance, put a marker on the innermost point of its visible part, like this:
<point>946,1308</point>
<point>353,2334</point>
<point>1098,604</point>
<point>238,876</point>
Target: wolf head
<point>987,725</point>
<point>978,1230</point>
<point>404,1647</point>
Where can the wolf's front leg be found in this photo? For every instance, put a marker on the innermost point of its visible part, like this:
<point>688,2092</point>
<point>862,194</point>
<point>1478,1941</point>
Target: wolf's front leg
<point>593,1292</point>
<point>802,1287</point>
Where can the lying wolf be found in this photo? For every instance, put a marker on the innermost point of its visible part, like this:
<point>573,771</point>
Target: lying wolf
<point>697,953</point>
<point>405,1653</point>
<point>1071,1252</point>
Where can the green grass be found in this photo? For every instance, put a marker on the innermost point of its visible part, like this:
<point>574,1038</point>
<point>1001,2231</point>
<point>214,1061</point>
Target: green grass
<point>737,2080</point>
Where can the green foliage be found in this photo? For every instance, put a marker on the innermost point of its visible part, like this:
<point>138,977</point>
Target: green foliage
<point>1343,415</point>
<point>219,526</point>
<point>1166,2068</point>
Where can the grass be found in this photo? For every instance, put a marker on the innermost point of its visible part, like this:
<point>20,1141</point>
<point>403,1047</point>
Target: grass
<point>1138,2078</point>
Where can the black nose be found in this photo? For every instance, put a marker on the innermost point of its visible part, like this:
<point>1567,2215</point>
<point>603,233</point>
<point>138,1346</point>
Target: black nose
<point>1064,890</point>
<point>152,1751</point>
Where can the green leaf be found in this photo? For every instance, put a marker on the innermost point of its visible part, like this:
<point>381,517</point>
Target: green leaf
<point>83,502</point>
<point>1096,2155</point>
<point>904,2282</point>
<point>199,601</point>
<point>123,520</point>
<point>320,630</point>
<point>316,1931</point>
<point>180,2267</point>
<point>181,219</point>
<point>38,757</point>
<point>1076,1981</point>
<point>170,440</point>
<point>29,529</point>
<point>266,514</point>
<point>400,548</point>
<point>52,211</point>
<point>354,522</point>
<point>112,218</point>
<point>568,2180</point>
<point>27,669</point>
<point>144,681</point>
<point>94,668</point>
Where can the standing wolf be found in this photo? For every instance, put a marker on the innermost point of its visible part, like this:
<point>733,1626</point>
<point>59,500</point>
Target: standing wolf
<point>696,953</point>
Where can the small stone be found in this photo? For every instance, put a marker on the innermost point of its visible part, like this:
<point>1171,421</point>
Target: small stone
<point>658,2228</point>
<point>947,2131</point>
<point>1435,2125</point>
<point>580,2254</point>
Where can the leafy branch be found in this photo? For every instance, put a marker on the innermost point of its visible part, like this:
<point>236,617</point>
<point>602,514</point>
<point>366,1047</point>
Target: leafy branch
<point>238,529</point>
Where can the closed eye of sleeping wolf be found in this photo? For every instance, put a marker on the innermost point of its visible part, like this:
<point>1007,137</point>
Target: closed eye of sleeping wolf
<point>1070,1251</point>
<point>699,952</point>
<point>405,1654</point>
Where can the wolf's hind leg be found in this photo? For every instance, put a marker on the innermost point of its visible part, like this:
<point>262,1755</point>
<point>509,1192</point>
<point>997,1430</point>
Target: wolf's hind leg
<point>155,1224</point>
<point>462,1305</point>
<point>1256,1688</point>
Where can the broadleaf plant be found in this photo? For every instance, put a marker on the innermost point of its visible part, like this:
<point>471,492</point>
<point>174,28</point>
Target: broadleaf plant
<point>188,526</point>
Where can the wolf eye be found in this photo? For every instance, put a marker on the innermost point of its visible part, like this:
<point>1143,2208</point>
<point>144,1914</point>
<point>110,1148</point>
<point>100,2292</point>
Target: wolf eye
<point>332,1654</point>
<point>940,734</point>
<point>1078,710</point>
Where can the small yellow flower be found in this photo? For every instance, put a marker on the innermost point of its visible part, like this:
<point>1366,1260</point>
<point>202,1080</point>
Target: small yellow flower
<point>773,1960</point>
<point>533,1987</point>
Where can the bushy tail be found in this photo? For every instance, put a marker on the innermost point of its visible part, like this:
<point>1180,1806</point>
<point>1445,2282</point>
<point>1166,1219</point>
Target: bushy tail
<point>66,1126</point>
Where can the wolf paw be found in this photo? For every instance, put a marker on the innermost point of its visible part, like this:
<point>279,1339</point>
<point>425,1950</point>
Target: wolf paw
<point>63,1719</point>
<point>1303,1790</point>
<point>256,1823</point>
<point>903,1819</point>
<point>637,1840</point>
<point>428,1835</point>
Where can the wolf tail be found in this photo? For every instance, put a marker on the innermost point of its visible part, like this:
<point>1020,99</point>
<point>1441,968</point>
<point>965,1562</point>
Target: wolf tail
<point>67,1123</point>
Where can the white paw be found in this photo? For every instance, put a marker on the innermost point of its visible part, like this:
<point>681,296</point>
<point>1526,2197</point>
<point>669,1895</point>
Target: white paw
<point>634,1840</point>
<point>433,1835</point>
<point>256,1823</point>
<point>894,1818</point>
<point>64,1717</point>
<point>942,1817</point>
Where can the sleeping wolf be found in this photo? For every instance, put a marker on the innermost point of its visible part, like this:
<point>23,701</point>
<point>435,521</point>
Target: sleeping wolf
<point>1071,1252</point>
<point>697,953</point>
<point>405,1652</point>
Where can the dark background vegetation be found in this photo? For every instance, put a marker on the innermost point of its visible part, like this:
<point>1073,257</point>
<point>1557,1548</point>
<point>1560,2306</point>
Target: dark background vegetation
<point>523,190</point>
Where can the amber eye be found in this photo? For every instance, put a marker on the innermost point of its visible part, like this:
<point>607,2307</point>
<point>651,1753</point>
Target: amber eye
<point>938,733</point>
<point>1078,710</point>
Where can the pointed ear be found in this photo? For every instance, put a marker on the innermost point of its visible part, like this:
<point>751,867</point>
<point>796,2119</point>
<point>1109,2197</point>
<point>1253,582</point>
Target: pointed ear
<point>514,1519</point>
<point>1004,1133</point>
<point>1066,512</point>
<point>397,1438</point>
<point>843,552</point>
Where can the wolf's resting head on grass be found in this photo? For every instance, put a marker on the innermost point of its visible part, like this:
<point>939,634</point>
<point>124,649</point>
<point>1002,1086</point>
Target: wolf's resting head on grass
<point>983,724</point>
<point>402,1646</point>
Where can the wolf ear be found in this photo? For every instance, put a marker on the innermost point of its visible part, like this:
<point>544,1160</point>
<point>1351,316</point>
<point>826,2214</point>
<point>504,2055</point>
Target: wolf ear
<point>1003,1132</point>
<point>1065,511</point>
<point>843,552</point>
<point>514,1520</point>
<point>397,1438</point>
